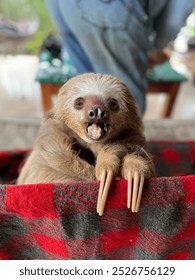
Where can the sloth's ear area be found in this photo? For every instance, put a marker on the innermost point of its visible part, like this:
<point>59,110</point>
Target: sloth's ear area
<point>63,90</point>
<point>65,97</point>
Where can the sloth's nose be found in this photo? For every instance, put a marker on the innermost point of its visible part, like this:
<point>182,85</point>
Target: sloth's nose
<point>97,112</point>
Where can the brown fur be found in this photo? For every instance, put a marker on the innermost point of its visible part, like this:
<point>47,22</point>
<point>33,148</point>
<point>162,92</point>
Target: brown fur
<point>64,151</point>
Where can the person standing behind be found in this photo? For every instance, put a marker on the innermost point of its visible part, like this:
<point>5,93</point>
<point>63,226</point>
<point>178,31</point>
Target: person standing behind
<point>114,36</point>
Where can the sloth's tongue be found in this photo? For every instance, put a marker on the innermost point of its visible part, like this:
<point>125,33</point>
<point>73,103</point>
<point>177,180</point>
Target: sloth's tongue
<point>94,131</point>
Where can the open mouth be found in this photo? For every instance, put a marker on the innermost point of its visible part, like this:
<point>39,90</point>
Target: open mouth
<point>96,131</point>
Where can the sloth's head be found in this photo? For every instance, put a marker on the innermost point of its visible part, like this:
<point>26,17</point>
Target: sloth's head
<point>97,107</point>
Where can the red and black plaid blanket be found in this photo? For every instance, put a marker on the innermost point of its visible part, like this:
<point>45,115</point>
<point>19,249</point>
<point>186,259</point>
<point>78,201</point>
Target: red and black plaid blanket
<point>59,221</point>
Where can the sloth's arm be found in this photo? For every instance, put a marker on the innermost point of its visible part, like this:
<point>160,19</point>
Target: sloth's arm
<point>130,162</point>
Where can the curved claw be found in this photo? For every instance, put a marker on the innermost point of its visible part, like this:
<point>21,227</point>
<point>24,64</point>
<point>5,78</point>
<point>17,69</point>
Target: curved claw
<point>129,190</point>
<point>134,193</point>
<point>141,186</point>
<point>105,184</point>
<point>102,183</point>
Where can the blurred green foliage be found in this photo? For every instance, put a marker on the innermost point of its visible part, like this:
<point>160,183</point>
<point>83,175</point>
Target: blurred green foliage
<point>45,27</point>
<point>17,10</point>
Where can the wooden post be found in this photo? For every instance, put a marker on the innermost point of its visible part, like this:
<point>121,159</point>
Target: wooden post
<point>47,91</point>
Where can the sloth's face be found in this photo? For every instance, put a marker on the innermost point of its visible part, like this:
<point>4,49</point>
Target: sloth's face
<point>97,120</point>
<point>96,107</point>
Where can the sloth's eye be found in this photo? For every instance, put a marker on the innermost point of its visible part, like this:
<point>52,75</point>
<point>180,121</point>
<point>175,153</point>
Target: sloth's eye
<point>114,106</point>
<point>79,103</point>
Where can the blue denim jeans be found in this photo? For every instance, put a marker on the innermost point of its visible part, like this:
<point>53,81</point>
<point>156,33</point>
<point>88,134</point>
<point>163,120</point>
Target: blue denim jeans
<point>109,37</point>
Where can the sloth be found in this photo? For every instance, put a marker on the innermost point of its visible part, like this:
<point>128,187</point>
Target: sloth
<point>94,132</point>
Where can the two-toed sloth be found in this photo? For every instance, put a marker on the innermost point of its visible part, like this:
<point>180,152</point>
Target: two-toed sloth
<point>94,132</point>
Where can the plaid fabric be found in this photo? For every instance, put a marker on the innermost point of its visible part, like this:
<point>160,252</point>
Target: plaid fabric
<point>173,158</point>
<point>59,221</point>
<point>10,164</point>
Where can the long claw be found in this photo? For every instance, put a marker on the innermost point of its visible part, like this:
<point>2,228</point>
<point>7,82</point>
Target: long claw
<point>141,185</point>
<point>129,190</point>
<point>105,193</point>
<point>102,183</point>
<point>135,191</point>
